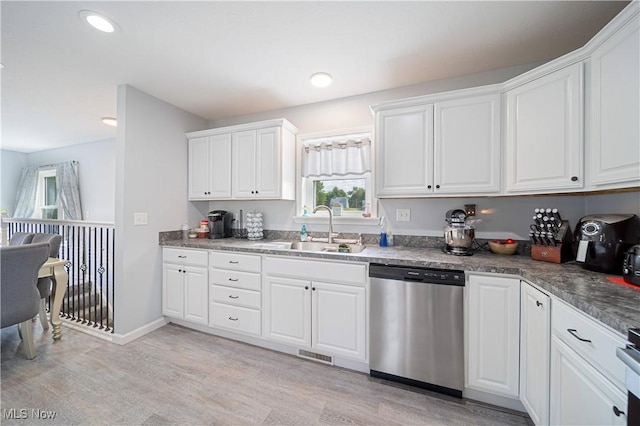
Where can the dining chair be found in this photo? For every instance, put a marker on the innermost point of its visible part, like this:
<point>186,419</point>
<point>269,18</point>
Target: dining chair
<point>44,284</point>
<point>19,297</point>
<point>20,238</point>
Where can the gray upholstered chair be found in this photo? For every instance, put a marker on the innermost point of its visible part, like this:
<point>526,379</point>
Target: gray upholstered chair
<point>19,297</point>
<point>20,238</point>
<point>44,284</point>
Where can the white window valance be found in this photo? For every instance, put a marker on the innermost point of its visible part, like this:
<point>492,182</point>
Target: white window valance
<point>337,158</point>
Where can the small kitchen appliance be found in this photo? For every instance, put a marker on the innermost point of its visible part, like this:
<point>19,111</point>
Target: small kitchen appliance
<point>220,224</point>
<point>603,239</point>
<point>458,234</point>
<point>631,265</point>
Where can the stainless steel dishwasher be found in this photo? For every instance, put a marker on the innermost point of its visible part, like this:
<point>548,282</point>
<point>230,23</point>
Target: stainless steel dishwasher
<point>416,327</point>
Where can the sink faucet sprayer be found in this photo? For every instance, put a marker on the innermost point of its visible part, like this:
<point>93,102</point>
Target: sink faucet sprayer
<point>330,239</point>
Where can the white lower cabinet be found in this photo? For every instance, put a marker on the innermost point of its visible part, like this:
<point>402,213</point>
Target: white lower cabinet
<point>535,333</point>
<point>493,334</point>
<point>235,295</point>
<point>587,380</point>
<point>184,282</point>
<point>306,312</point>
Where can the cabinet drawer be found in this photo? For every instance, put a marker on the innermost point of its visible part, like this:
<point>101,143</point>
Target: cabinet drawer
<point>185,256</point>
<point>600,351</point>
<point>235,296</point>
<point>235,318</point>
<point>235,261</point>
<point>236,279</point>
<point>345,273</point>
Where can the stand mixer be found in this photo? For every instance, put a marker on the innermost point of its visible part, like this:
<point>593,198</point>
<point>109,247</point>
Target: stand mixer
<point>458,235</point>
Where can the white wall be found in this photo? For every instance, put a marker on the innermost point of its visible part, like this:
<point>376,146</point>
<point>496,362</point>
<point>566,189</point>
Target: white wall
<point>151,177</point>
<point>97,170</point>
<point>12,163</point>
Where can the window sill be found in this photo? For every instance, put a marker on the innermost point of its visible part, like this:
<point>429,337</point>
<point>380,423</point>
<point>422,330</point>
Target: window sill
<point>338,220</point>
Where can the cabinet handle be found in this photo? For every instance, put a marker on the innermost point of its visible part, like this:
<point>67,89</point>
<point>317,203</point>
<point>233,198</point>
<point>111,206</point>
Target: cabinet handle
<point>574,333</point>
<point>233,279</point>
<point>313,288</point>
<point>437,186</point>
<point>233,319</point>
<point>179,270</point>
<point>182,257</point>
<point>233,297</point>
<point>306,287</point>
<point>234,262</point>
<point>428,186</point>
<point>617,411</point>
<point>574,178</point>
<point>538,303</point>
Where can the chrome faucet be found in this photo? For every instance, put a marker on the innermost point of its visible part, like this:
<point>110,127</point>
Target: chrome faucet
<point>330,239</point>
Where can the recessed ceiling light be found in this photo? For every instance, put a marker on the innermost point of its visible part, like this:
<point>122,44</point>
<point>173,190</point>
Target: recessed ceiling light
<point>110,121</point>
<point>321,79</point>
<point>97,21</point>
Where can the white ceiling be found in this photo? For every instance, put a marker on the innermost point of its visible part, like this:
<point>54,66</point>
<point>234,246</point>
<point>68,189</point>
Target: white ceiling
<point>221,59</point>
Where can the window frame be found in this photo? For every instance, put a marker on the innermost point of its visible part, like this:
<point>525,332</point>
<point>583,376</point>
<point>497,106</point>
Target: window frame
<point>41,196</point>
<point>305,192</point>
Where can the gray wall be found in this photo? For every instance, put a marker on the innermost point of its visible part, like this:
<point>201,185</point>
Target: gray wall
<point>12,163</point>
<point>151,177</point>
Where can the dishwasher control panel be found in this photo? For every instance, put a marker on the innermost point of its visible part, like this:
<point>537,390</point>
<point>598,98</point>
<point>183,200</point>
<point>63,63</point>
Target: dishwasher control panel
<point>410,273</point>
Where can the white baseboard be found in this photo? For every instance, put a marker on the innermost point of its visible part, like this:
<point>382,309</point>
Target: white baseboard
<point>123,339</point>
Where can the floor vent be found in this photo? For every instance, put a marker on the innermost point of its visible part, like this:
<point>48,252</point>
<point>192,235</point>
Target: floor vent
<point>325,359</point>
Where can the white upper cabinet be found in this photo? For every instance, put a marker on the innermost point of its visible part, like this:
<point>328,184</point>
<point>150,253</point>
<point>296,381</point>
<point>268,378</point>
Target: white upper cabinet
<point>614,140</point>
<point>544,133</point>
<point>210,167</point>
<point>447,144</point>
<point>467,145</point>
<point>404,140</point>
<point>249,161</point>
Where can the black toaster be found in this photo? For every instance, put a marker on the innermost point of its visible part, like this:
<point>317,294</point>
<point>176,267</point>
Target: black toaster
<point>631,265</point>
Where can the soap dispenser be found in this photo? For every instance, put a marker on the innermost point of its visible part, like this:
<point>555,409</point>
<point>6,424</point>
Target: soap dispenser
<point>303,233</point>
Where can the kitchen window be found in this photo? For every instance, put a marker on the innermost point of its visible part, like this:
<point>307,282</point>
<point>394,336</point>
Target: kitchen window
<point>335,171</point>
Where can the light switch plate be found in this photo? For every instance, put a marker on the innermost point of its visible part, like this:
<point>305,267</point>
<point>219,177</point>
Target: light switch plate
<point>403,215</point>
<point>140,218</point>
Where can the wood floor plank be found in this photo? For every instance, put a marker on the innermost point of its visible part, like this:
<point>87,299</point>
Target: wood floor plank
<point>175,375</point>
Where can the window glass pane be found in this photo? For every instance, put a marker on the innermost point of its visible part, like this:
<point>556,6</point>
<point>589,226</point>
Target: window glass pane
<point>48,213</point>
<point>351,193</point>
<point>50,192</point>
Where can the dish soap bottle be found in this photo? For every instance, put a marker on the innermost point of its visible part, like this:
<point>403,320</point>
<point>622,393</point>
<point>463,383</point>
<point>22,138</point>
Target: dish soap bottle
<point>303,233</point>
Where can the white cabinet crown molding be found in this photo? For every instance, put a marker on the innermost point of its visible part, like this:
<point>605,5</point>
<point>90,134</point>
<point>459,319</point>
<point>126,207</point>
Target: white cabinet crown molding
<point>286,124</point>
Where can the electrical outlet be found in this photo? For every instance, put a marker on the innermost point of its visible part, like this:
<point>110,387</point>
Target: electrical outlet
<point>403,215</point>
<point>140,218</point>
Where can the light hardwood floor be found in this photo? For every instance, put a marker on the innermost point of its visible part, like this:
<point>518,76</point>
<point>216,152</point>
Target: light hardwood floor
<point>179,376</point>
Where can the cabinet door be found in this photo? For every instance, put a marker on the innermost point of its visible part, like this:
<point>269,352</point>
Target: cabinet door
<point>467,145</point>
<point>199,169</point>
<point>338,319</point>
<point>244,164</point>
<point>535,340</point>
<point>544,133</point>
<point>493,334</point>
<point>220,166</point>
<point>615,108</point>
<point>196,300</point>
<point>287,310</point>
<point>579,394</point>
<point>268,163</point>
<point>404,151</point>
<point>172,290</point>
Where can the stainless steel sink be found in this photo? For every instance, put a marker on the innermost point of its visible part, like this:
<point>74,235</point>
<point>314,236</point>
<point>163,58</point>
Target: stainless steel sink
<point>324,247</point>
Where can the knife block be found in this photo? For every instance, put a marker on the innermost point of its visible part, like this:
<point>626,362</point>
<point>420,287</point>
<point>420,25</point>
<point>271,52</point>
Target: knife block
<point>563,250</point>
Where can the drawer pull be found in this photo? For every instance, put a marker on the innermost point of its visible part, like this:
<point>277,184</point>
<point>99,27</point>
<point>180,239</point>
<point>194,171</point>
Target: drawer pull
<point>234,262</point>
<point>182,257</point>
<point>233,279</point>
<point>233,319</point>
<point>233,297</point>
<point>538,303</point>
<point>617,412</point>
<point>574,333</point>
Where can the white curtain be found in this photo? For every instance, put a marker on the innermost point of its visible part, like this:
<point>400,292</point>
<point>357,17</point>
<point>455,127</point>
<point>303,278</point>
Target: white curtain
<point>27,190</point>
<point>68,183</point>
<point>351,157</point>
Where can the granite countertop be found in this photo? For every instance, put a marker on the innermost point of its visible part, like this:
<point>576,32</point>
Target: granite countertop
<point>613,304</point>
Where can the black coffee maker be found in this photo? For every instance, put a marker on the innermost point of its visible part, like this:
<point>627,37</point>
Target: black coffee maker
<point>220,224</point>
<point>601,241</point>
